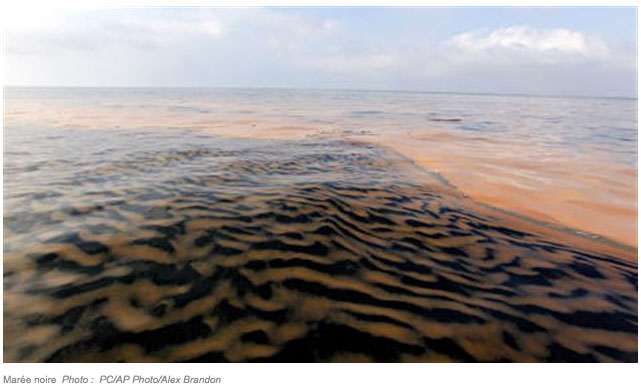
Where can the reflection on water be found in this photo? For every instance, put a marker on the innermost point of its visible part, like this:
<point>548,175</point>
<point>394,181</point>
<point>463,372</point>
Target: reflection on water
<point>126,242</point>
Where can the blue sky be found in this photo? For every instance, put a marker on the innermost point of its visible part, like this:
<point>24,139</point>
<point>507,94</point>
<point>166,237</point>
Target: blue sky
<point>555,51</point>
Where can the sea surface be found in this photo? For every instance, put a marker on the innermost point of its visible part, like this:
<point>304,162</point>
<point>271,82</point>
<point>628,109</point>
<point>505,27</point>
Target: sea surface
<point>302,225</point>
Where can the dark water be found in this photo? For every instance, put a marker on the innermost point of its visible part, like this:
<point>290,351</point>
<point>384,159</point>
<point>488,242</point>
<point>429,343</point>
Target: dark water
<point>154,245</point>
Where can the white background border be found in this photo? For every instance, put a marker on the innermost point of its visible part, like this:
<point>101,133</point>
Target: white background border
<point>339,376</point>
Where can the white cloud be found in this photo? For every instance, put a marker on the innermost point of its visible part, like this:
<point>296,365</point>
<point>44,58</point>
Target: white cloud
<point>525,44</point>
<point>80,30</point>
<point>205,26</point>
<point>272,47</point>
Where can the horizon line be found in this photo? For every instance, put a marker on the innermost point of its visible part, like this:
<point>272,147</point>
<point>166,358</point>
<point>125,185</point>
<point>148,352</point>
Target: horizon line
<point>516,94</point>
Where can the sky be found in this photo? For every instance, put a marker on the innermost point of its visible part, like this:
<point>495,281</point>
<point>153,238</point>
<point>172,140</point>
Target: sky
<point>548,51</point>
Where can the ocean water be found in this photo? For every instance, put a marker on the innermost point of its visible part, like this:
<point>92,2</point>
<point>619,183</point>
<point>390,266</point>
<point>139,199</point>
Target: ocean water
<point>568,161</point>
<point>292,225</point>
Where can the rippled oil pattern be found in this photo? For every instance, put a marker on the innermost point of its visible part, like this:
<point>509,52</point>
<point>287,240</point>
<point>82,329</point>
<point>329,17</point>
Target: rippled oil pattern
<point>567,161</point>
<point>133,246</point>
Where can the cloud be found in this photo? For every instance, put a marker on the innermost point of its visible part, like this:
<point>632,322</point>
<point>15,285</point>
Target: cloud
<point>207,26</point>
<point>319,44</point>
<point>300,48</point>
<point>350,63</point>
<point>525,44</point>
<point>62,31</point>
<point>525,59</point>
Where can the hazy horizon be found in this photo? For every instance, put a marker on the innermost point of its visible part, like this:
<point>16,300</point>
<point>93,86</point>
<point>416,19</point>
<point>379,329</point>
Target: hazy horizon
<point>515,94</point>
